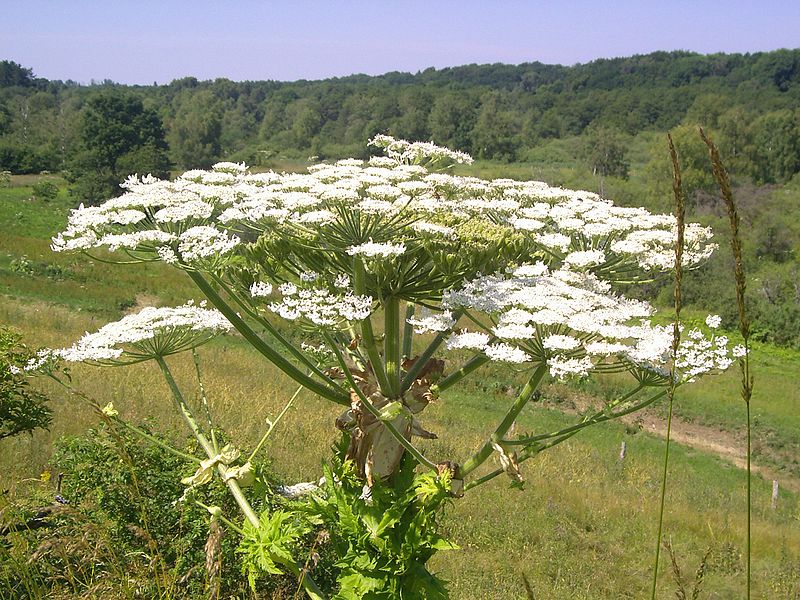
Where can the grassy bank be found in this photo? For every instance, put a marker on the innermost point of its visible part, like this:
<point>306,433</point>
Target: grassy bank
<point>583,528</point>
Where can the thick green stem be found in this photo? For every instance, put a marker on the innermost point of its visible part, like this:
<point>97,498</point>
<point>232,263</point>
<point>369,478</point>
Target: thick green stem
<point>471,365</point>
<point>391,344</point>
<point>524,396</point>
<point>309,585</point>
<point>426,355</point>
<point>408,331</point>
<point>268,351</point>
<point>307,582</point>
<point>367,335</point>
<point>598,417</point>
<point>188,417</point>
<point>418,456</point>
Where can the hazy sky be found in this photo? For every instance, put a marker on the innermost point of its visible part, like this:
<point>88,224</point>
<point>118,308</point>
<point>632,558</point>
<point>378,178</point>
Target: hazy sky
<point>141,41</point>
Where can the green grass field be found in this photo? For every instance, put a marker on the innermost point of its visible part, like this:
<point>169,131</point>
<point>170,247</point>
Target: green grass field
<point>584,527</point>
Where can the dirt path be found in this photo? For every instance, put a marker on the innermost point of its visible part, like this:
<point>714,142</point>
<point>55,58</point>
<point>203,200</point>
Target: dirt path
<point>724,444</point>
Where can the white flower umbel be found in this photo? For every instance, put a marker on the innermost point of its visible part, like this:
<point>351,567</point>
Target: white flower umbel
<point>562,367</point>
<point>417,152</point>
<point>430,321</point>
<point>587,258</point>
<point>698,354</point>
<point>320,307</point>
<point>466,225</point>
<point>506,353</point>
<point>473,340</point>
<point>151,333</point>
<point>203,241</point>
<point>260,289</point>
<point>574,323</point>
<point>372,249</point>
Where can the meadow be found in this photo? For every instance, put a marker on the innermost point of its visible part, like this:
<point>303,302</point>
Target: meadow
<point>584,527</point>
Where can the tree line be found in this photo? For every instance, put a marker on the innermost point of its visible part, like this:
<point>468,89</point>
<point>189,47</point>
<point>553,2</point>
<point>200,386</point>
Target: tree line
<point>498,111</point>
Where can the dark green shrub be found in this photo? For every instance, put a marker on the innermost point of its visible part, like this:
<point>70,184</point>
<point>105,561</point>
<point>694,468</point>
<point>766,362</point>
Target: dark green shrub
<point>45,190</point>
<point>125,531</point>
<point>22,408</point>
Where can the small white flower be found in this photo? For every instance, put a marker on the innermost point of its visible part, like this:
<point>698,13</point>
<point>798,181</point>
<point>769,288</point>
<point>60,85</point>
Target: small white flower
<point>371,249</point>
<point>587,258</point>
<point>260,289</point>
<point>506,353</point>
<point>560,342</point>
<point>713,321</point>
<point>561,367</point>
<point>431,321</point>
<point>473,340</point>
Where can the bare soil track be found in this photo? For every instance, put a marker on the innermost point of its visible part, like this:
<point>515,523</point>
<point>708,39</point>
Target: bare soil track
<point>727,445</point>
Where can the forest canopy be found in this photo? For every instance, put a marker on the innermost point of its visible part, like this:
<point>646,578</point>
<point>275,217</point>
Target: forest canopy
<point>492,111</point>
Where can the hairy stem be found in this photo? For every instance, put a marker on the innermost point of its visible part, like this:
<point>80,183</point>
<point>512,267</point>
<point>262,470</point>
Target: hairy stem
<point>408,331</point>
<point>367,335</point>
<point>268,351</point>
<point>188,417</point>
<point>418,456</point>
<point>524,396</point>
<point>391,344</point>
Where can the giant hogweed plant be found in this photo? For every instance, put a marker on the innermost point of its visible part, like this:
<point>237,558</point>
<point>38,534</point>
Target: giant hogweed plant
<point>364,256</point>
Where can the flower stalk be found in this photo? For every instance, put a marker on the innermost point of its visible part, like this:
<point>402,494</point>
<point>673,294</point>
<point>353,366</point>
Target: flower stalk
<point>522,399</point>
<point>723,181</point>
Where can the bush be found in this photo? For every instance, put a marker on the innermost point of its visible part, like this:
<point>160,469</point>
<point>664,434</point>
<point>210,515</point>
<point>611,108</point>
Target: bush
<point>22,409</point>
<point>125,532</point>
<point>45,190</point>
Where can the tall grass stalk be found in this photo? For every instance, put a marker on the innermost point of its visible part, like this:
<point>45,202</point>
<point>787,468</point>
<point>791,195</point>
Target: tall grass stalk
<point>723,181</point>
<point>680,215</point>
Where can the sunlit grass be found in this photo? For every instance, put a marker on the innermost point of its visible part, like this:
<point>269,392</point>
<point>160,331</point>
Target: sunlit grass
<point>583,527</point>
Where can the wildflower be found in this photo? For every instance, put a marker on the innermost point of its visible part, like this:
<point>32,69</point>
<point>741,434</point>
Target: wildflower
<point>260,289</point>
<point>430,321</point>
<point>152,332</point>
<point>371,249</point>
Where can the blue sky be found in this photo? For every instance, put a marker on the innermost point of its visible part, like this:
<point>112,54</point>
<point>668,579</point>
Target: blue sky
<point>145,41</point>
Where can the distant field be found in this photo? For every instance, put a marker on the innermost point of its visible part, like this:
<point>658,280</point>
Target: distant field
<point>584,528</point>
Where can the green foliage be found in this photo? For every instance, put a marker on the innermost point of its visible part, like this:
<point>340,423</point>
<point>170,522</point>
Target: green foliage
<point>776,146</point>
<point>118,137</point>
<point>384,536</point>
<point>22,408</point>
<point>493,111</point>
<point>195,129</point>
<point>696,175</point>
<point>131,488</point>
<point>45,190</point>
<point>270,544</point>
<point>604,151</point>
<point>12,74</point>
